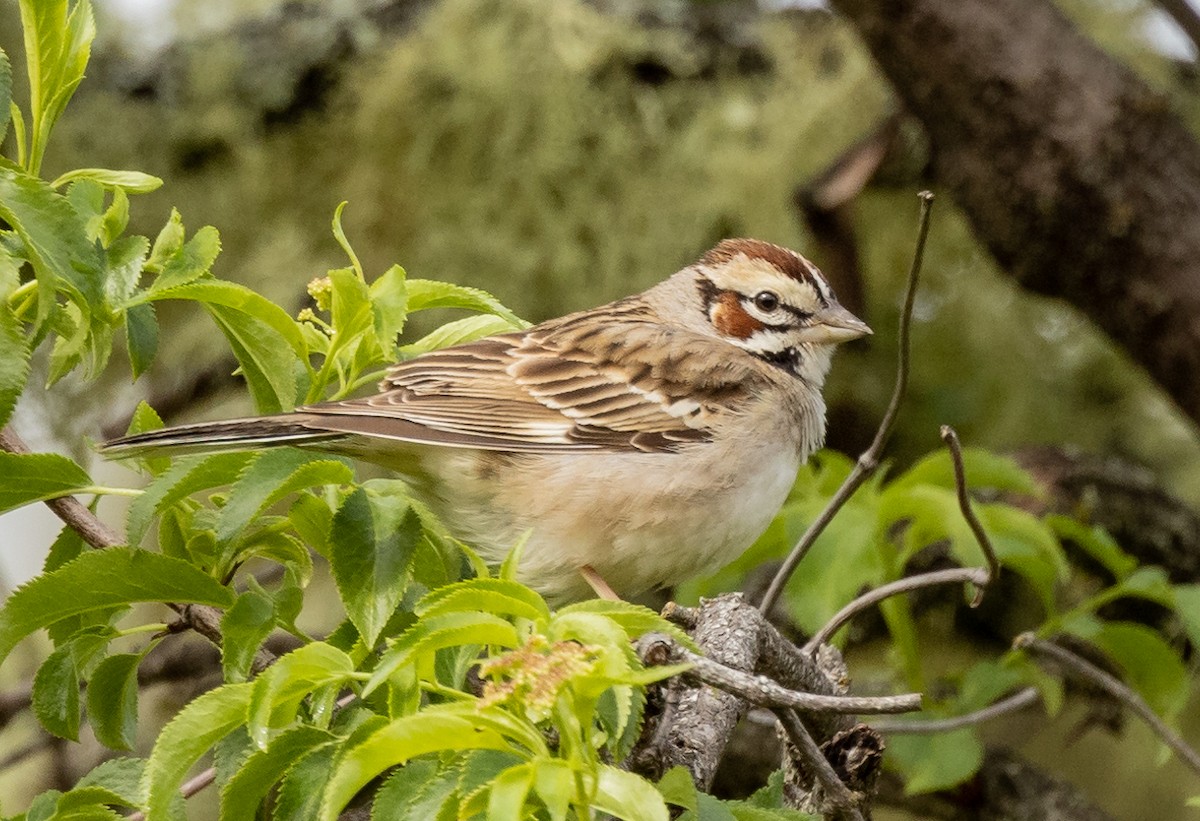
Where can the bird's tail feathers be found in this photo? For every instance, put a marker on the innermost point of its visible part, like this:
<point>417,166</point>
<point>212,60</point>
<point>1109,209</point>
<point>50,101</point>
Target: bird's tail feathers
<point>212,437</point>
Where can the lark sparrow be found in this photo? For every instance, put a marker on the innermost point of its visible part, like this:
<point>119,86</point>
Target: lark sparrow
<point>640,443</point>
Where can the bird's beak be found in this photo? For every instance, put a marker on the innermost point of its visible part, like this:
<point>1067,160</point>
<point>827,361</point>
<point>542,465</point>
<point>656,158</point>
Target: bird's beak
<point>833,325</point>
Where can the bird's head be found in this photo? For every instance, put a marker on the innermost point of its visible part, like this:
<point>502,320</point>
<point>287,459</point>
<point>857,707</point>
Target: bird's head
<point>774,304</point>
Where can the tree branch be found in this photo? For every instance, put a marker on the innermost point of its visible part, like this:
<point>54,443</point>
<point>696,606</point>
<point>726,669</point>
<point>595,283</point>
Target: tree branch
<point>1011,704</point>
<point>203,619</point>
<point>1081,180</point>
<point>659,648</point>
<point>953,575</point>
<point>1082,668</point>
<point>868,462</point>
<point>835,801</point>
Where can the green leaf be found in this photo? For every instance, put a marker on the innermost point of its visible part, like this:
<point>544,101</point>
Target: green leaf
<point>499,597</point>
<point>189,261</point>
<point>677,788</point>
<point>267,342</point>
<point>457,332</point>
<point>1149,664</point>
<point>271,476</point>
<point>57,46</point>
<point>635,619</point>
<point>14,347</point>
<point>371,546</point>
<point>435,632</point>
<point>265,362</point>
<point>54,237</point>
<point>935,762</point>
<point>1095,541</point>
<point>299,796</point>
<point>102,579</point>
<point>1150,583</point>
<point>56,694</point>
<point>132,182</point>
<point>141,337</point>
<point>1187,606</point>
<point>185,477</point>
<point>112,700</point>
<point>340,236</point>
<point>126,257</point>
<point>194,729</point>
<point>389,307</point>
<point>350,309</point>
<point>116,218</point>
<point>35,477</point>
<point>67,546</point>
<point>506,799</point>
<point>414,792</point>
<point>554,782</point>
<point>279,691</point>
<point>167,243</point>
<point>983,469</point>
<point>121,777</point>
<point>244,628</point>
<point>627,796</point>
<point>245,791</point>
<point>1027,545</point>
<point>431,730</point>
<point>424,294</point>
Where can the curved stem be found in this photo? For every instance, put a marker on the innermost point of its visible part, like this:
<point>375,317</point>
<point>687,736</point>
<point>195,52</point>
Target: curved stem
<point>1017,701</point>
<point>868,462</point>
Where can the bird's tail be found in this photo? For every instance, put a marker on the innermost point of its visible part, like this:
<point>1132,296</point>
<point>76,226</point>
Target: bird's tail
<point>211,437</point>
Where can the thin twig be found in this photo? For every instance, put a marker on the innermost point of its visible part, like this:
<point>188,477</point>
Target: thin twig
<point>837,794</point>
<point>950,437</point>
<point>189,788</point>
<point>1084,669</point>
<point>1011,704</point>
<point>952,575</point>
<point>73,512</point>
<point>761,691</point>
<point>868,462</point>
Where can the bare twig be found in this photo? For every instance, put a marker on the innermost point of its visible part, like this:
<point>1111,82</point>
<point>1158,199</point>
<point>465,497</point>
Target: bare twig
<point>1017,701</point>
<point>950,437</point>
<point>95,532</point>
<point>658,648</point>
<point>1084,669</point>
<point>204,619</point>
<point>953,575</point>
<point>868,462</point>
<point>189,788</point>
<point>837,795</point>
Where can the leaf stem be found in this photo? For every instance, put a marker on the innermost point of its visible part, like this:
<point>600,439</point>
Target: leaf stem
<point>105,490</point>
<point>158,627</point>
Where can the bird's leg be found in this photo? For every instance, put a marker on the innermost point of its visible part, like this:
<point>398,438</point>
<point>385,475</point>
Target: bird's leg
<point>597,583</point>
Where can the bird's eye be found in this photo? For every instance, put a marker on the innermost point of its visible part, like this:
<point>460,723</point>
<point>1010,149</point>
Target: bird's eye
<point>766,301</point>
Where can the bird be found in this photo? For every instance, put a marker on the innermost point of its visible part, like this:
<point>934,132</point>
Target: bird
<point>631,446</point>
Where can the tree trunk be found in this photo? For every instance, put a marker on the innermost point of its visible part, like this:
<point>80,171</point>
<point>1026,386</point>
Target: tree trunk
<point>1076,175</point>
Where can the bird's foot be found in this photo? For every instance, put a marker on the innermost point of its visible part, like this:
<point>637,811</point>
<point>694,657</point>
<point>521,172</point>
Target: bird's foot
<point>597,583</point>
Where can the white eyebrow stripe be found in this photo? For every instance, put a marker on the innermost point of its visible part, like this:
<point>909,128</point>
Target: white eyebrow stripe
<point>746,275</point>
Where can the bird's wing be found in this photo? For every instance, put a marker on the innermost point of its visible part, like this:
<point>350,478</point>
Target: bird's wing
<point>564,386</point>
